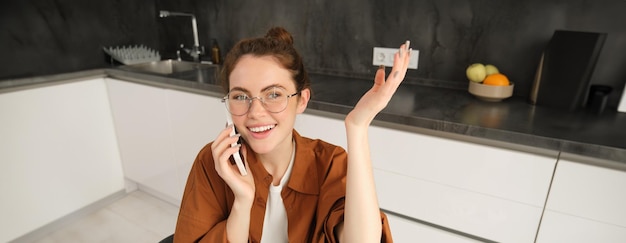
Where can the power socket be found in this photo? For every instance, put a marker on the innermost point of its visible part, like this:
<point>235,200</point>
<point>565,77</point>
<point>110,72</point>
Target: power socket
<point>384,56</point>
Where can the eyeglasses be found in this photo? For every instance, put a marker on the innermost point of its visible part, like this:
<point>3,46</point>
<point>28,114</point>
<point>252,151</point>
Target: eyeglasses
<point>274,100</point>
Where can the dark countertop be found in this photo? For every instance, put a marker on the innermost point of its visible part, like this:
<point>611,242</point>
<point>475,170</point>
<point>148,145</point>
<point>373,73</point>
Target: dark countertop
<point>513,120</point>
<point>427,108</point>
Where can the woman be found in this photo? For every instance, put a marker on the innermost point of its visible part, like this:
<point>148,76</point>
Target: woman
<point>296,189</point>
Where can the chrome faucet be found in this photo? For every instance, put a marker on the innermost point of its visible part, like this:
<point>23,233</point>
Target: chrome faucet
<point>196,51</point>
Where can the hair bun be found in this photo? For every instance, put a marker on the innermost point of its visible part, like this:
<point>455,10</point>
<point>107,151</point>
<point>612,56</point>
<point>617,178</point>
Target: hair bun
<point>280,34</point>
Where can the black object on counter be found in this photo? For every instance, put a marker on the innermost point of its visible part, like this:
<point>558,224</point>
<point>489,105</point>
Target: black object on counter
<point>565,69</point>
<point>598,96</point>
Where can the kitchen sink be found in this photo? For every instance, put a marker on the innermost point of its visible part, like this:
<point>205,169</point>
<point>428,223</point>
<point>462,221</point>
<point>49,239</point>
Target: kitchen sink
<point>168,66</point>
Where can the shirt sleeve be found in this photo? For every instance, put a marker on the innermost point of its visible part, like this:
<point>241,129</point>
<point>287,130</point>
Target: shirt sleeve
<point>332,221</point>
<point>386,236</point>
<point>203,211</point>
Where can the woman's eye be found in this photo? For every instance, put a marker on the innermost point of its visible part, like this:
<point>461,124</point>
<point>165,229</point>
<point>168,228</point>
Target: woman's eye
<point>273,95</point>
<point>239,97</point>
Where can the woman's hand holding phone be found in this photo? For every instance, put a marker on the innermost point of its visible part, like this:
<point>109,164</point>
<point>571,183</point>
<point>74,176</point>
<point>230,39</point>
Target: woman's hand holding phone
<point>242,185</point>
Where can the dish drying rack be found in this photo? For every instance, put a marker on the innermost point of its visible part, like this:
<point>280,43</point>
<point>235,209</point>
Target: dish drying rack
<point>133,54</point>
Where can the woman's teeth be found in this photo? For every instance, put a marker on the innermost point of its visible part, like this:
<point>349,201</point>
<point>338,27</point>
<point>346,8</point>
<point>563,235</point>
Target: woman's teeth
<point>262,128</point>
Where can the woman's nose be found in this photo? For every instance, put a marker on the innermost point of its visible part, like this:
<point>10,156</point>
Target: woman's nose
<point>256,106</point>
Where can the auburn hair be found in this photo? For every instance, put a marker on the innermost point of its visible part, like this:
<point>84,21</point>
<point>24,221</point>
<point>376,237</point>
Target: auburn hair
<point>277,43</point>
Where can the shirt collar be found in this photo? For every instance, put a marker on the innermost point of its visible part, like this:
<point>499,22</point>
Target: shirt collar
<point>304,175</point>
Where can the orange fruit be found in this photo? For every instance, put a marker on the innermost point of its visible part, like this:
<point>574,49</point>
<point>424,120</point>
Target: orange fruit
<point>497,79</point>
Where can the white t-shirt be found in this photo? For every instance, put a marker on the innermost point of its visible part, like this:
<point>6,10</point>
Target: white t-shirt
<point>275,222</point>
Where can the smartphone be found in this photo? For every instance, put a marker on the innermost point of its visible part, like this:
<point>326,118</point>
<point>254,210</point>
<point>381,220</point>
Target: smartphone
<point>236,156</point>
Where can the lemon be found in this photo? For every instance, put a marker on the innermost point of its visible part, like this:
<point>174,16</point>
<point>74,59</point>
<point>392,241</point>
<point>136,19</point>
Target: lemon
<point>491,69</point>
<point>476,72</point>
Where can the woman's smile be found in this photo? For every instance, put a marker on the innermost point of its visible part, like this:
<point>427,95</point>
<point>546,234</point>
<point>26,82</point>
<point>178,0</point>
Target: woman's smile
<point>260,129</point>
<point>261,132</point>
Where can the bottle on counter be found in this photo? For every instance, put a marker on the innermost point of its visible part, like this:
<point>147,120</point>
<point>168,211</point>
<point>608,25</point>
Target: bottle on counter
<point>215,53</point>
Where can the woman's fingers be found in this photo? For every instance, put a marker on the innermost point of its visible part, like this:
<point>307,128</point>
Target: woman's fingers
<point>398,71</point>
<point>244,154</point>
<point>400,63</point>
<point>242,186</point>
<point>379,79</point>
<point>222,150</point>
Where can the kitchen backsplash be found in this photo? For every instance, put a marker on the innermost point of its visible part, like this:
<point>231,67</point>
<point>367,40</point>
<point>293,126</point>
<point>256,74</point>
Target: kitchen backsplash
<point>46,37</point>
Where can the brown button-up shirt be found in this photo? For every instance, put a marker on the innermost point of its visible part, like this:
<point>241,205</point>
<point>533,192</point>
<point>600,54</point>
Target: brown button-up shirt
<point>313,198</point>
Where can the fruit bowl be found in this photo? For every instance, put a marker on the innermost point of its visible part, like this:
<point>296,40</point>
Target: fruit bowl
<point>491,93</point>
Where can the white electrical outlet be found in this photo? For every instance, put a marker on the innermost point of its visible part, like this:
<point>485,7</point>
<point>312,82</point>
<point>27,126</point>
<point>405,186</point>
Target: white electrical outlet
<point>384,56</point>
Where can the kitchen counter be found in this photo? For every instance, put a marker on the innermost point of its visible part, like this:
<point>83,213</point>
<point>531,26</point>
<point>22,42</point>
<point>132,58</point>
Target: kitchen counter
<point>512,121</point>
<point>447,112</point>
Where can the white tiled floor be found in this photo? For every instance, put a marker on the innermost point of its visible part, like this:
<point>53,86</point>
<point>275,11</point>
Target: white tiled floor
<point>138,217</point>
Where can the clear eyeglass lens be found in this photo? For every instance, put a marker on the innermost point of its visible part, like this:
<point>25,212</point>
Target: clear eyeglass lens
<point>274,100</point>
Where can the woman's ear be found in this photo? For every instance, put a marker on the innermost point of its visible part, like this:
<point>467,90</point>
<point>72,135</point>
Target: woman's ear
<point>303,101</point>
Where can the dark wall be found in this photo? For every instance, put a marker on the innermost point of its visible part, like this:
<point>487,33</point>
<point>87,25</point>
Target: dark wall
<point>55,36</point>
<point>45,36</point>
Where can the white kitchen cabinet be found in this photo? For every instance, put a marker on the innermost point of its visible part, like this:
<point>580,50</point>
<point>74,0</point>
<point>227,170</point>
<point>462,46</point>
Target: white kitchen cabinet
<point>195,120</point>
<point>144,135</point>
<point>470,212</point>
<point>493,193</point>
<point>488,192</point>
<point>160,132</point>
<point>405,230</point>
<point>328,129</point>
<point>58,154</point>
<point>586,204</point>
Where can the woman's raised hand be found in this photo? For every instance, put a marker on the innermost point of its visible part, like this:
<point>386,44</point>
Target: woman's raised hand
<point>362,213</point>
<point>242,186</point>
<point>379,95</point>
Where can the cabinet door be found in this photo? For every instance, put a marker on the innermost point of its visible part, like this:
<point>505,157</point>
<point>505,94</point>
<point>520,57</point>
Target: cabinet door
<point>493,193</point>
<point>405,230</point>
<point>58,154</point>
<point>144,135</point>
<point>586,204</point>
<point>195,121</point>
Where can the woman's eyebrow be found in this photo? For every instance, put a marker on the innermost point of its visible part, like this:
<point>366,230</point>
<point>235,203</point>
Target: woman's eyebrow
<point>272,86</point>
<point>239,89</point>
<point>269,87</point>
